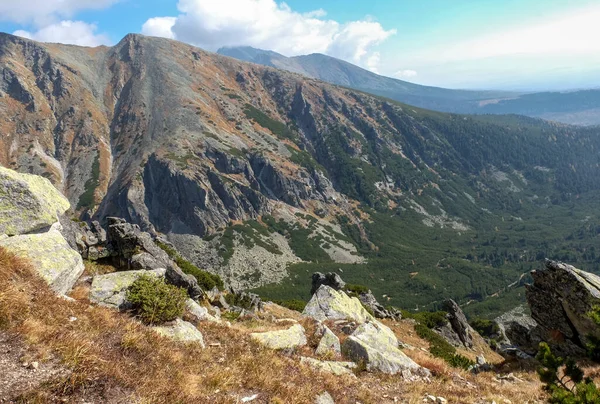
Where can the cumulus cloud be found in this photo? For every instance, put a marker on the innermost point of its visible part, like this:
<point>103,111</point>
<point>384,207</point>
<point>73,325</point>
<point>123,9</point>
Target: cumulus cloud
<point>68,32</point>
<point>269,25</point>
<point>46,12</point>
<point>405,74</point>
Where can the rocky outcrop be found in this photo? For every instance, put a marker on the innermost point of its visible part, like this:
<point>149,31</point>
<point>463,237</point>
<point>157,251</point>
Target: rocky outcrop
<point>28,203</point>
<point>89,239</point>
<point>330,304</point>
<point>181,331</point>
<point>457,331</point>
<point>111,289</point>
<point>376,345</point>
<point>561,298</point>
<point>368,300</point>
<point>199,313</point>
<point>331,279</point>
<point>291,338</point>
<point>371,342</point>
<point>519,333</point>
<point>51,256</point>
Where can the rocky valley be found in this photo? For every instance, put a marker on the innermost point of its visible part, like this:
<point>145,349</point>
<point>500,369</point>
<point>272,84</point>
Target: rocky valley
<point>264,176</point>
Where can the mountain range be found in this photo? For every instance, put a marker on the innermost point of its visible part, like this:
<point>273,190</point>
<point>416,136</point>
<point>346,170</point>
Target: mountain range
<point>573,107</point>
<point>265,176</point>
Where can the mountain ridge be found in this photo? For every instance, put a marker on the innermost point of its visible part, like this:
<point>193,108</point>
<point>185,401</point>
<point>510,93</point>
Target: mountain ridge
<point>573,107</point>
<point>262,176</point>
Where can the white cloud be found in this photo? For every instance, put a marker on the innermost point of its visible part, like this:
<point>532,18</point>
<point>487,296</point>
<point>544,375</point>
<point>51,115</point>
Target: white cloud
<point>69,32</point>
<point>46,12</point>
<point>160,26</point>
<point>266,24</point>
<point>406,74</point>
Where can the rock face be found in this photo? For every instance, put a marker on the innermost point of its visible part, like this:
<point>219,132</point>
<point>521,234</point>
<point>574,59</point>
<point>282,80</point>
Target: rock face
<point>51,256</point>
<point>377,346</point>
<point>518,332</point>
<point>330,304</point>
<point>181,331</point>
<point>111,289</point>
<point>28,203</point>
<point>560,299</point>
<point>284,339</point>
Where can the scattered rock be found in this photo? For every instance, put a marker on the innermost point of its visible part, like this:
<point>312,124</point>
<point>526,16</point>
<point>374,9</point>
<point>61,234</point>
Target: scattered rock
<point>330,304</point>
<point>28,203</point>
<point>331,279</point>
<point>111,289</point>
<point>181,331</point>
<point>324,398</point>
<point>284,339</point>
<point>249,398</point>
<point>378,310</point>
<point>200,313</point>
<point>329,343</point>
<point>336,368</point>
<point>51,256</point>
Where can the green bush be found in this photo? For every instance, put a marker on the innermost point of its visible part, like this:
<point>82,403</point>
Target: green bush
<point>430,319</point>
<point>292,304</point>
<point>564,380</point>
<point>486,328</point>
<point>154,301</point>
<point>356,290</point>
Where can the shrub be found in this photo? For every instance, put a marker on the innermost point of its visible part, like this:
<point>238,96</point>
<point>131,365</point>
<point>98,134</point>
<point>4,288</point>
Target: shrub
<point>154,301</point>
<point>356,290</point>
<point>293,304</point>
<point>486,328</point>
<point>564,380</point>
<point>430,319</point>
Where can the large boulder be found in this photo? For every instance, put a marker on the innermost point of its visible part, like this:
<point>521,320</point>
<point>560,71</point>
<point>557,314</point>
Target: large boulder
<point>199,313</point>
<point>329,344</point>
<point>51,256</point>
<point>110,290</point>
<point>368,300</point>
<point>518,331</point>
<point>89,239</point>
<point>181,331</point>
<point>376,345</point>
<point>330,304</point>
<point>331,279</point>
<point>284,339</point>
<point>561,298</point>
<point>28,203</point>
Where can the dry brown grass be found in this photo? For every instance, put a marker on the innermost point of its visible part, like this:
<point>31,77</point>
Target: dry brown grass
<point>117,359</point>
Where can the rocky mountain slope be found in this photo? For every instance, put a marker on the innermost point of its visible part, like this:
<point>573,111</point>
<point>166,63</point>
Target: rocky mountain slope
<point>576,107</point>
<point>260,174</point>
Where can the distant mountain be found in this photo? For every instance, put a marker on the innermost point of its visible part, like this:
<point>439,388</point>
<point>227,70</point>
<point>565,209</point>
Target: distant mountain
<point>577,107</point>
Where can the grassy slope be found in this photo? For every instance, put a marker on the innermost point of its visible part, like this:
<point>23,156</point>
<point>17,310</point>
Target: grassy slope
<point>109,353</point>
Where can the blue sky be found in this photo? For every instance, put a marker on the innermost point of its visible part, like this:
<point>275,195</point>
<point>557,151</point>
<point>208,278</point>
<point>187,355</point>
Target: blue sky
<point>506,44</point>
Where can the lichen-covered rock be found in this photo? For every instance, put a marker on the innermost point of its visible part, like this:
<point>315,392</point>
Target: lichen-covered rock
<point>337,368</point>
<point>181,331</point>
<point>330,304</point>
<point>111,289</point>
<point>200,313</point>
<point>284,339</point>
<point>28,203</point>
<point>51,256</point>
<point>377,346</point>
<point>560,299</point>
<point>329,343</point>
